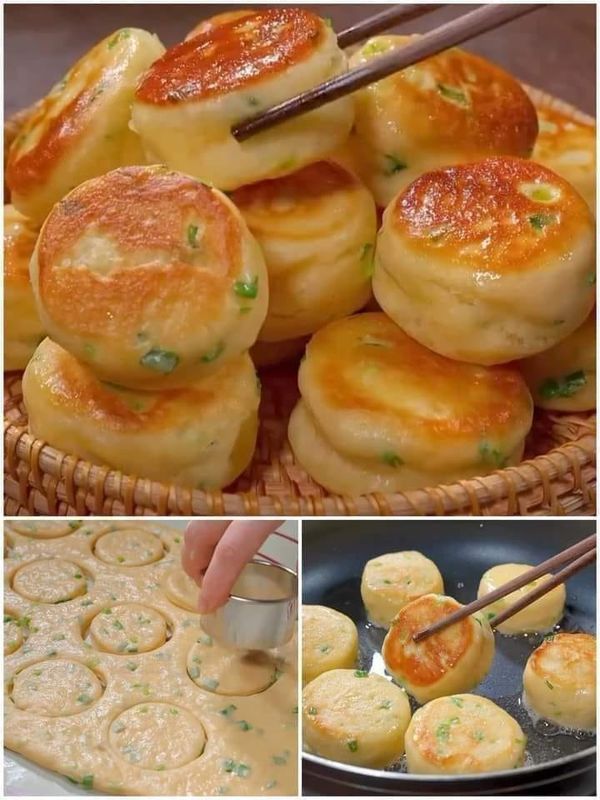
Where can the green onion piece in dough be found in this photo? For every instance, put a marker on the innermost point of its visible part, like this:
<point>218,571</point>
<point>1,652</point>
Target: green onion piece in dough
<point>247,289</point>
<point>163,361</point>
<point>566,386</point>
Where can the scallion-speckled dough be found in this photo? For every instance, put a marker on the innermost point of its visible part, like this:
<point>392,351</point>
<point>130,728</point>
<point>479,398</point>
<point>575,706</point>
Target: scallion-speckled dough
<point>126,722</point>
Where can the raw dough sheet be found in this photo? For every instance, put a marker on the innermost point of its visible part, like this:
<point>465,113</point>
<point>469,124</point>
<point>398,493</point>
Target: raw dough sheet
<point>112,682</point>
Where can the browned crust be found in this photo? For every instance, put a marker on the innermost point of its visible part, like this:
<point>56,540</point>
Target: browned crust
<point>142,209</point>
<point>501,396</point>
<point>231,56</point>
<point>321,179</point>
<point>426,662</point>
<point>479,205</point>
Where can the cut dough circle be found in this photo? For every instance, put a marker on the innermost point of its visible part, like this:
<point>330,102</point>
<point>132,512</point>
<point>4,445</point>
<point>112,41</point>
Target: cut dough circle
<point>45,530</point>
<point>181,590</point>
<point>539,617</point>
<point>129,547</point>
<point>157,736</point>
<point>329,641</point>
<point>50,580</point>
<point>560,681</point>
<point>13,634</point>
<point>392,580</point>
<point>57,688</point>
<point>229,672</point>
<point>356,718</point>
<point>128,628</point>
<point>463,734</point>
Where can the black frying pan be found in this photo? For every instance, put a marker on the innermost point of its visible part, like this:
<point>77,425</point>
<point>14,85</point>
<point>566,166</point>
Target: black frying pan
<point>334,553</point>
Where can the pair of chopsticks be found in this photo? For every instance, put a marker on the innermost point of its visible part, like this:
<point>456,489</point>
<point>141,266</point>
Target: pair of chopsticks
<point>467,26</point>
<point>580,554</point>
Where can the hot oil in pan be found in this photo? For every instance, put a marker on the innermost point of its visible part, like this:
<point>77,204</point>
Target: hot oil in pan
<point>503,685</point>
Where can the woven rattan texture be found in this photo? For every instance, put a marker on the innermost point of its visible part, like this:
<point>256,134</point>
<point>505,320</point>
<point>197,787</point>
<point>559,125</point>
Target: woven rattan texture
<point>558,476</point>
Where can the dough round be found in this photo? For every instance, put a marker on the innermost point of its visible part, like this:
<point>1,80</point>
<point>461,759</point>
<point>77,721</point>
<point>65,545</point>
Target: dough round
<point>454,660</point>
<point>563,378</point>
<point>50,580</point>
<point>47,529</point>
<point>350,716</point>
<point>210,24</point>
<point>22,327</point>
<point>181,590</point>
<point>329,641</point>
<point>157,736</point>
<point>463,734</point>
<point>202,436</point>
<point>170,283</point>
<point>380,413</point>
<point>560,681</point>
<point>487,262</point>
<point>568,147</point>
<point>317,230</point>
<point>81,129</point>
<point>473,109</point>
<point>129,547</point>
<point>267,354</point>
<point>13,633</point>
<point>229,672</point>
<point>57,688</point>
<point>392,580</point>
<point>128,628</point>
<point>538,617</point>
<point>188,102</point>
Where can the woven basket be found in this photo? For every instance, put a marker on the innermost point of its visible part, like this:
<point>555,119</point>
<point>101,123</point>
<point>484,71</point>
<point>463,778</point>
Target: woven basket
<point>558,476</point>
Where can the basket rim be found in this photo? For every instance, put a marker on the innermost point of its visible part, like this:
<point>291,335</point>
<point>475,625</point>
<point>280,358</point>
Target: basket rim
<point>539,472</point>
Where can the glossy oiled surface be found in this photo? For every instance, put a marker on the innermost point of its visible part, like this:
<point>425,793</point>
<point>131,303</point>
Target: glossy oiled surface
<point>367,364</point>
<point>96,691</point>
<point>123,239</point>
<point>149,252</point>
<point>500,214</point>
<point>553,48</point>
<point>232,55</point>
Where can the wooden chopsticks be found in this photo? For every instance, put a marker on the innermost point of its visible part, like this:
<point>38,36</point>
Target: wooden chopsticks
<point>381,22</point>
<point>581,554</point>
<point>452,33</point>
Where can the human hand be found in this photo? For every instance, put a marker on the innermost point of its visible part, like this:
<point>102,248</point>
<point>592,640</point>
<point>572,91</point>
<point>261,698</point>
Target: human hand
<point>215,552</point>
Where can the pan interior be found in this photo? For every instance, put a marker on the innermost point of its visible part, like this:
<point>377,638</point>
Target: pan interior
<point>334,554</point>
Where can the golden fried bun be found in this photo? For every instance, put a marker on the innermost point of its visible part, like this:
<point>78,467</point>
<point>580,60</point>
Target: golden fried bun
<point>455,659</point>
<point>351,716</point>
<point>202,436</point>
<point>81,129</point>
<point>568,147</point>
<point>317,230</point>
<point>329,641</point>
<point>188,102</point>
<point>150,277</point>
<point>23,330</point>
<point>563,378</point>
<point>268,354</point>
<point>463,734</point>
<point>206,25</point>
<point>452,108</point>
<point>487,262</point>
<point>559,681</point>
<point>380,413</point>
<point>392,580</point>
<point>538,617</point>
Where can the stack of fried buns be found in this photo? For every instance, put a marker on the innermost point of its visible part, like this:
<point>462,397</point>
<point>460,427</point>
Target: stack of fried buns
<point>152,259</point>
